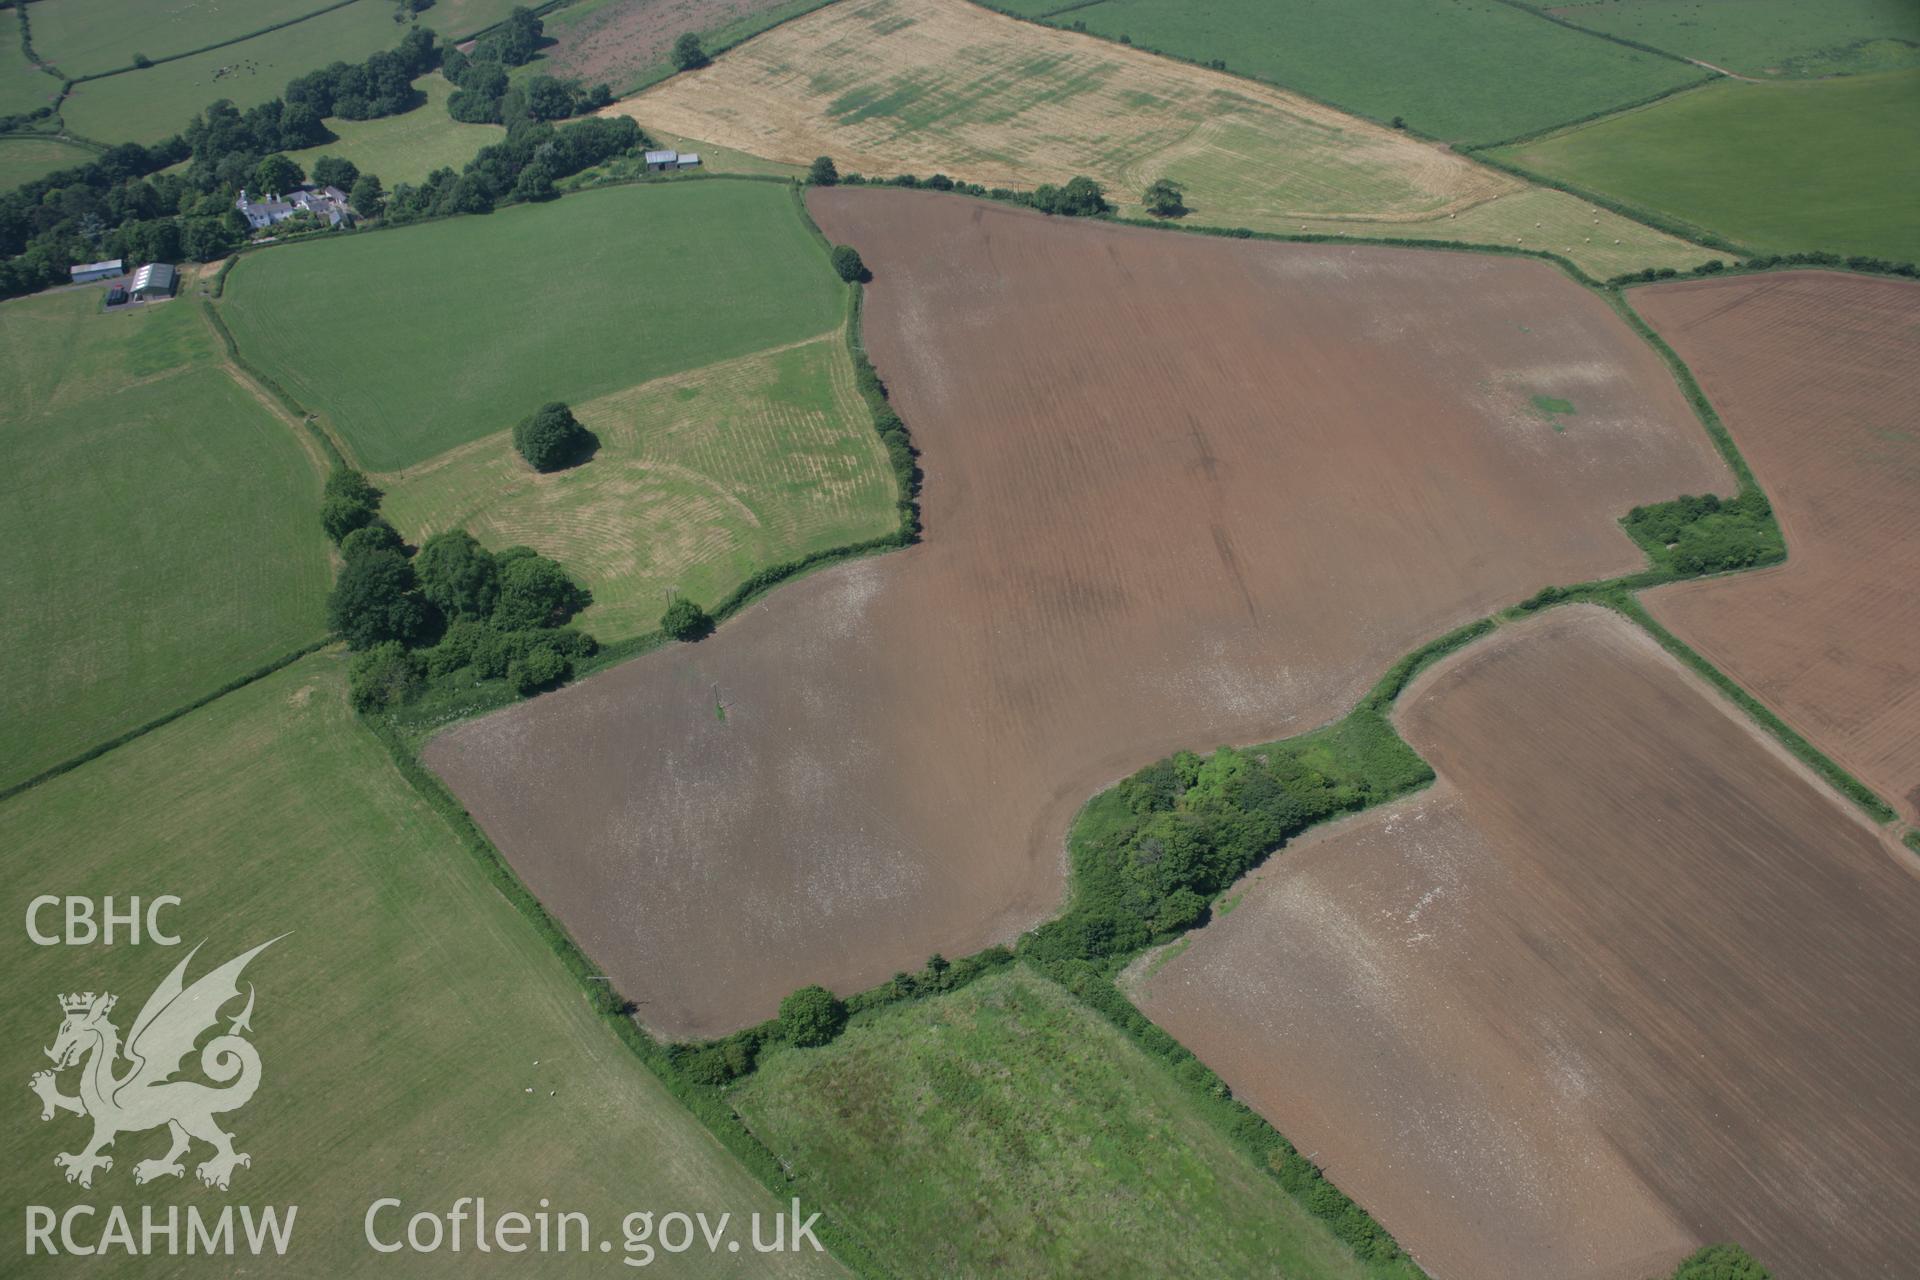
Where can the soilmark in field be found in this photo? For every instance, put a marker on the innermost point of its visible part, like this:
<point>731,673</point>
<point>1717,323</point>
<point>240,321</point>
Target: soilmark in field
<point>700,479</point>
<point>1143,529</point>
<point>919,86</point>
<point>1816,375</point>
<point>1626,980</point>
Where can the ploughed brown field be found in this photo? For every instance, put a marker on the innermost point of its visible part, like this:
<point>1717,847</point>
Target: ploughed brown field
<point>1627,980</point>
<point>1180,491</point>
<point>1817,375</point>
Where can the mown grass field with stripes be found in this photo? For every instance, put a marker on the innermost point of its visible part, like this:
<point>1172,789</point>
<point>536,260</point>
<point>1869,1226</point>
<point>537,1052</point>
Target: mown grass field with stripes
<point>700,479</point>
<point>159,531</point>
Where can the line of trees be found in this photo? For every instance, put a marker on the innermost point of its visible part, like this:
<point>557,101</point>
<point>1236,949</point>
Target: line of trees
<point>534,156</point>
<point>483,93</point>
<point>450,608</point>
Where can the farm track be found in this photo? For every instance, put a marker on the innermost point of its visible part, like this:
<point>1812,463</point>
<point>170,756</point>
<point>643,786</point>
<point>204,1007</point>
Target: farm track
<point>1816,375</point>
<point>1629,979</point>
<point>1143,530</point>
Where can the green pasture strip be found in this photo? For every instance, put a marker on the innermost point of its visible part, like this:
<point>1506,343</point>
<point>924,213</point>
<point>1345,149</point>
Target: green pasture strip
<point>1471,71</point>
<point>24,158</point>
<point>159,527</point>
<point>1766,39</point>
<point>483,319</point>
<point>1005,1128</point>
<point>1819,165</point>
<point>86,38</point>
<point>417,1040</point>
<point>150,104</point>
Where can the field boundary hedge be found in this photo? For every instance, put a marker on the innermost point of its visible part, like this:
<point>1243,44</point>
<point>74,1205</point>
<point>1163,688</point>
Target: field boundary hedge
<point>161,721</point>
<point>1672,226</point>
<point>209,48</point>
<point>335,452</point>
<point>1559,21</point>
<point>614,1010</point>
<point>1591,116</point>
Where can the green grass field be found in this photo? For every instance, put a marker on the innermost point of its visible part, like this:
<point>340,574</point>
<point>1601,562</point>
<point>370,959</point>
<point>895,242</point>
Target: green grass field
<point>159,534</point>
<point>23,87</point>
<point>409,146</point>
<point>148,105</point>
<point>701,479</point>
<point>87,37</point>
<point>24,159</point>
<point>1005,1129</point>
<point>480,320</point>
<point>1826,164</point>
<point>1767,37</point>
<point>1466,71</point>
<point>418,1039</point>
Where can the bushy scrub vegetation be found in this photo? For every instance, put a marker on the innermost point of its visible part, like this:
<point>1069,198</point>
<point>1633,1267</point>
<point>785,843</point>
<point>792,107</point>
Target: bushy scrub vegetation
<point>1704,534</point>
<point>812,1016</point>
<point>1149,855</point>
<point>848,265</point>
<point>1164,199</point>
<point>685,620</point>
<point>1721,1262</point>
<point>452,608</point>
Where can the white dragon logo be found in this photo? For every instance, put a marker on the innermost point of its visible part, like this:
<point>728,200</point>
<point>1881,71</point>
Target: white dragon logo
<point>145,1096</point>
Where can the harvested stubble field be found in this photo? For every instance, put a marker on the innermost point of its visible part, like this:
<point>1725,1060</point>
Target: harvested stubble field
<point>1816,374</point>
<point>417,1038</point>
<point>700,479</point>
<point>919,86</point>
<point>1178,490</point>
<point>1627,980</point>
<point>559,296</point>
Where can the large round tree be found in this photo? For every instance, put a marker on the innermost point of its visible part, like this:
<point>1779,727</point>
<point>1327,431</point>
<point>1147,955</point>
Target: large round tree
<point>551,438</point>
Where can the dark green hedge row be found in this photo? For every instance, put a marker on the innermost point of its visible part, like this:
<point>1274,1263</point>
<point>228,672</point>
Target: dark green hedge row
<point>1771,261</point>
<point>715,1064</point>
<point>1808,754</point>
<point>206,48</point>
<point>327,445</point>
<point>121,739</point>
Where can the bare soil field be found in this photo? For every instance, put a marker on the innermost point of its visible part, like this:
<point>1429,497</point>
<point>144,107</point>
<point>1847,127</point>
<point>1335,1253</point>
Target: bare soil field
<point>1817,375</point>
<point>923,86</point>
<point>614,41</point>
<point>1628,979</point>
<point>1179,491</point>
